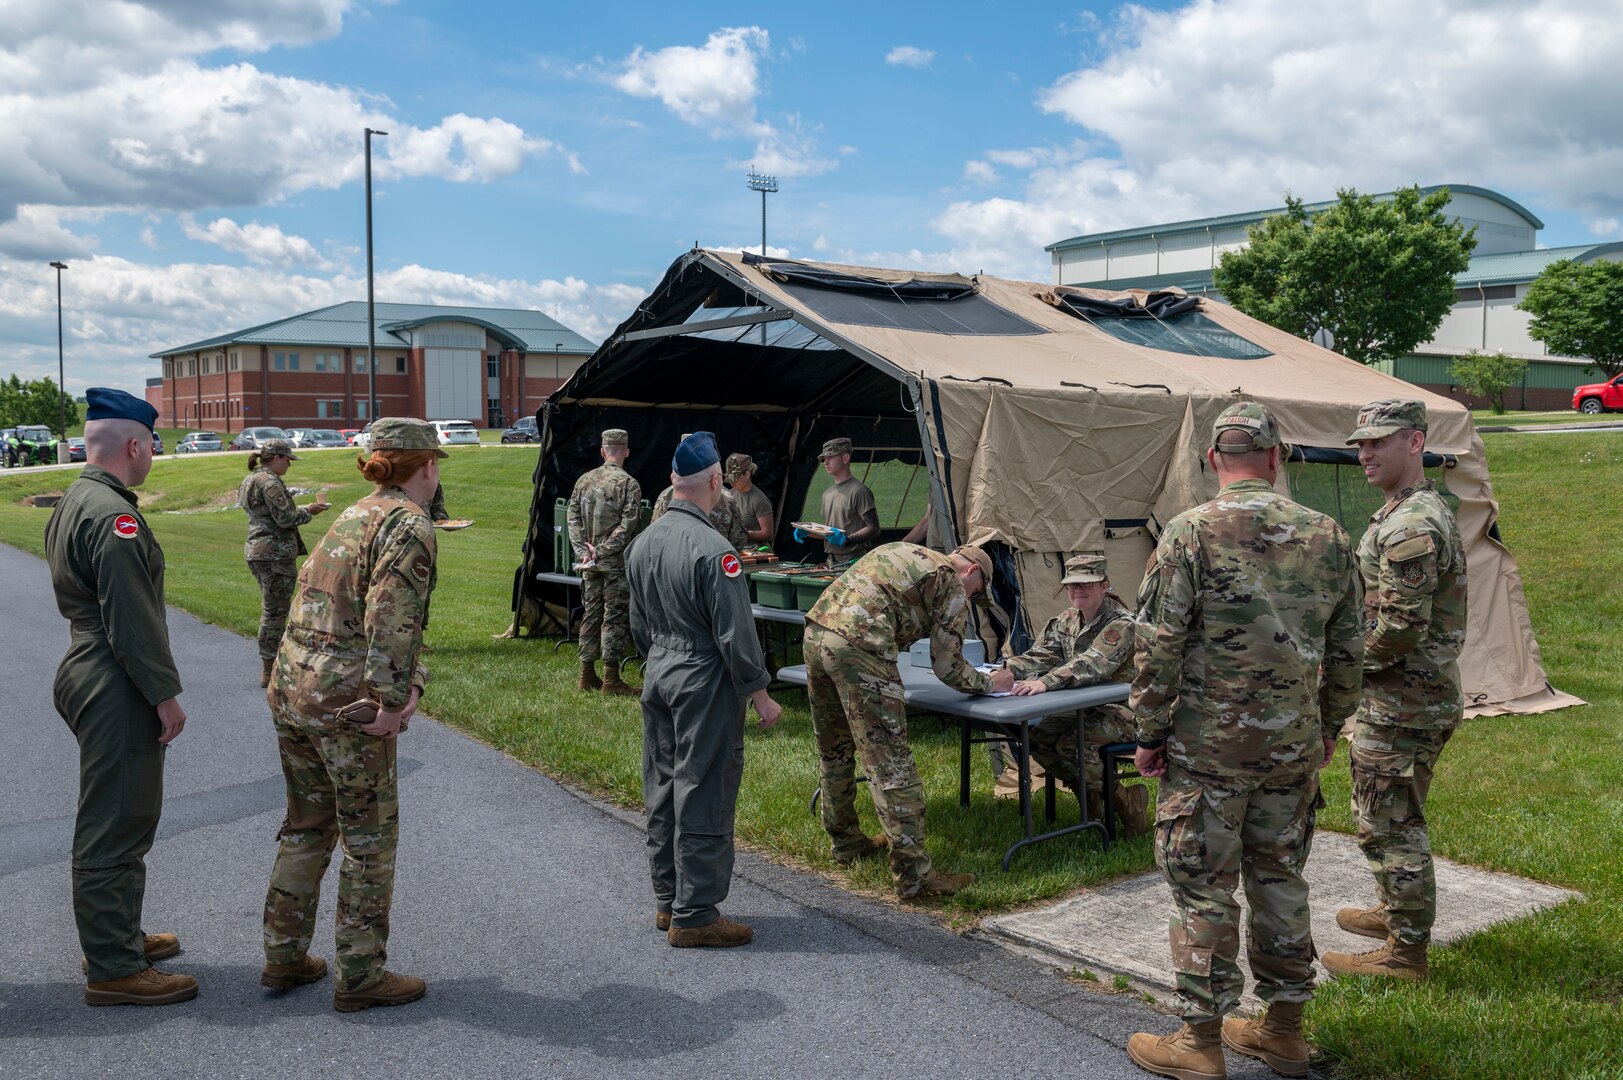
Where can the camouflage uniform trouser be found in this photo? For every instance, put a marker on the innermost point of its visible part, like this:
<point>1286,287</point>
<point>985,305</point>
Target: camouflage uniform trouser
<point>277,578</point>
<point>1211,832</point>
<point>340,786</point>
<point>857,710</point>
<point>605,622</point>
<point>1391,773</point>
<point>1053,743</point>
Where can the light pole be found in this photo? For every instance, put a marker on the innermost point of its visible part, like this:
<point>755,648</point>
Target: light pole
<point>63,454</point>
<point>557,369</point>
<point>371,325</point>
<point>762,183</point>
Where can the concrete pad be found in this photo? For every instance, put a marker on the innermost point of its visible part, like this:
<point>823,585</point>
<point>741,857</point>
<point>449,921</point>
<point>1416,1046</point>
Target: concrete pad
<point>1122,927</point>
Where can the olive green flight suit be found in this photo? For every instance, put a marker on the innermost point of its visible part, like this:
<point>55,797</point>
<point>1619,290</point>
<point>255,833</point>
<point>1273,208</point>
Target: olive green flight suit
<point>690,616</point>
<point>107,571</point>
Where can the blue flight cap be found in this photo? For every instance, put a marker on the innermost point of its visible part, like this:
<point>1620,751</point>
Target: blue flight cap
<point>695,454</point>
<point>105,403</point>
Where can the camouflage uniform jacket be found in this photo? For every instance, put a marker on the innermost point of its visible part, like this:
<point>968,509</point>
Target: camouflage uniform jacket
<point>356,627</point>
<point>1071,653</point>
<point>724,517</point>
<point>603,512</point>
<point>1413,565</point>
<point>1249,636</point>
<point>898,594</point>
<point>273,520</point>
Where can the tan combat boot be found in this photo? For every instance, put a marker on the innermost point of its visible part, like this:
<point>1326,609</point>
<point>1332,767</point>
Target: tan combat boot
<point>936,883</point>
<point>613,684</point>
<point>662,921</point>
<point>392,989</point>
<point>721,934</point>
<point>1275,1040</point>
<point>1193,1052</point>
<point>588,676</point>
<point>1369,922</point>
<point>1133,809</point>
<point>306,969</point>
<point>870,846</point>
<point>149,987</point>
<point>156,946</point>
<point>265,669</point>
<point>1395,959</point>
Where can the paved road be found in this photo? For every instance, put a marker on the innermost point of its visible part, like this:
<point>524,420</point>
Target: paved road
<point>526,908</point>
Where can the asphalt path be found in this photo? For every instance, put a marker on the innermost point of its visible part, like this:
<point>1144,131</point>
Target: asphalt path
<point>526,907</point>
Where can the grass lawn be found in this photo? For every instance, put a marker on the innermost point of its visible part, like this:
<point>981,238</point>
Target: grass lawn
<point>1540,796</point>
<point>1512,418</point>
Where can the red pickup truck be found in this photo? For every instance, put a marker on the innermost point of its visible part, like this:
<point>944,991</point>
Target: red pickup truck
<point>1598,398</point>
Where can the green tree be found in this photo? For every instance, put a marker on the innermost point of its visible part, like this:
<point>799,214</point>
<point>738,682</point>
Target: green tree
<point>35,402</point>
<point>1488,375</point>
<point>1577,310</point>
<point>1378,275</point>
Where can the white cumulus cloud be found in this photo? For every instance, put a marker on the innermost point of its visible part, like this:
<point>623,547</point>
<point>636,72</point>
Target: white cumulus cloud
<point>266,245</point>
<point>909,56</point>
<point>1219,107</point>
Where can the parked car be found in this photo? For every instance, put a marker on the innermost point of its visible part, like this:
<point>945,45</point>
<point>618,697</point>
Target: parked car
<point>197,442</point>
<point>157,443</point>
<point>1597,398</point>
<point>348,435</point>
<point>250,438</point>
<point>524,429</point>
<point>76,448</point>
<point>316,438</point>
<point>32,444</point>
<point>456,432</point>
<point>363,437</point>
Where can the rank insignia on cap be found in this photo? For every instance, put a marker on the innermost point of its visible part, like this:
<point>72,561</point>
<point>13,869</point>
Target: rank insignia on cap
<point>730,565</point>
<point>125,527</point>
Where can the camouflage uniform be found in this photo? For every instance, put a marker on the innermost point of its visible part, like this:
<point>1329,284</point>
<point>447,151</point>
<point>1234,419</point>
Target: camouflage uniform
<point>1250,637</point>
<point>356,632</point>
<point>272,550</point>
<point>1413,566</point>
<point>893,596</point>
<point>724,517</point>
<point>1070,654</point>
<point>603,511</point>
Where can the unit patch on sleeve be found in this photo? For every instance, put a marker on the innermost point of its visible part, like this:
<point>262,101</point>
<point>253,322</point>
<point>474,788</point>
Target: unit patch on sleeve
<point>1414,573</point>
<point>730,565</point>
<point>125,527</point>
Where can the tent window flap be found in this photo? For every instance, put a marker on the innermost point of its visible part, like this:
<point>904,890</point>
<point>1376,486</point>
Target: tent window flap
<point>965,315</point>
<point>1170,322</point>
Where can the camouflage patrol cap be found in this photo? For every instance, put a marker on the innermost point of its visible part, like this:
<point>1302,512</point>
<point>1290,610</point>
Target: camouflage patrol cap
<point>404,433</point>
<point>1253,419</point>
<point>277,448</point>
<point>1084,570</point>
<point>834,447</point>
<point>1380,418</point>
<point>739,465</point>
<point>616,437</point>
<point>980,558</point>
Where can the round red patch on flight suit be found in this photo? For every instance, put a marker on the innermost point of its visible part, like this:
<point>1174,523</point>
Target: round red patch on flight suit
<point>730,565</point>
<point>126,527</point>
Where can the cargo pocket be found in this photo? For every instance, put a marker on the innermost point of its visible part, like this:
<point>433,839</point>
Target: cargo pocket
<point>1382,779</point>
<point>1180,834</point>
<point>143,787</point>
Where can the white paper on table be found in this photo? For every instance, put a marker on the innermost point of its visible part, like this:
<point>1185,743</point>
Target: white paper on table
<point>987,669</point>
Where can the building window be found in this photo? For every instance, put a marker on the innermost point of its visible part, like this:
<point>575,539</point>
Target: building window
<point>360,364</point>
<point>361,407</point>
<point>1488,292</point>
<point>279,361</point>
<point>293,361</point>
<point>400,365</point>
<point>321,361</point>
<point>491,369</point>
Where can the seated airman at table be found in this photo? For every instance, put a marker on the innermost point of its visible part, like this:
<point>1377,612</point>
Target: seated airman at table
<point>1090,642</point>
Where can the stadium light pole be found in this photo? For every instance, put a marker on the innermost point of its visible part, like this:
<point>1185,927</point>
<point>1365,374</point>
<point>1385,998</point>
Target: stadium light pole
<point>371,324</point>
<point>762,183</point>
<point>63,454</point>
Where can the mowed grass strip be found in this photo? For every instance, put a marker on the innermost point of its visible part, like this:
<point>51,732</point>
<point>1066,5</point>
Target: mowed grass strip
<point>1540,796</point>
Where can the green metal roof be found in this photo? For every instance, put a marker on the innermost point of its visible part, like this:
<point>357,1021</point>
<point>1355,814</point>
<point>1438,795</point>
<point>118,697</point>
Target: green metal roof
<point>1507,268</point>
<point>1251,217</point>
<point>345,324</point>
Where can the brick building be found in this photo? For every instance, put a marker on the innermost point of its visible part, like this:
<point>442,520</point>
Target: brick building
<point>486,365</point>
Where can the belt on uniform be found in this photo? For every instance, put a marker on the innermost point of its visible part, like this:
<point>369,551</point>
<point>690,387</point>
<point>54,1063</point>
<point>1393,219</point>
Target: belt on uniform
<point>673,643</point>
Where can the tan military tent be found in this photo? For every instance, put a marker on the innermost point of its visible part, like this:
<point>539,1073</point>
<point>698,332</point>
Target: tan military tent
<point>1052,420</point>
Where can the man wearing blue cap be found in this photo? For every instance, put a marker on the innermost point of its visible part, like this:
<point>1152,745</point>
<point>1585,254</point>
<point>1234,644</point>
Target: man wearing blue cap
<point>690,616</point>
<point>119,692</point>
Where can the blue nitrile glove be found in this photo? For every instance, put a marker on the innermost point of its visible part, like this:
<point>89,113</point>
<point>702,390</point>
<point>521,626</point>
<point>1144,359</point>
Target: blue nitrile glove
<point>800,536</point>
<point>838,539</point>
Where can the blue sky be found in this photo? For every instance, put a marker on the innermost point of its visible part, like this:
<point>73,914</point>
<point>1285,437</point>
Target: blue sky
<point>198,165</point>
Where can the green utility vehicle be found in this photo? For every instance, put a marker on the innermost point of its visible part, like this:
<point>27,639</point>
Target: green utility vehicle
<point>31,444</point>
